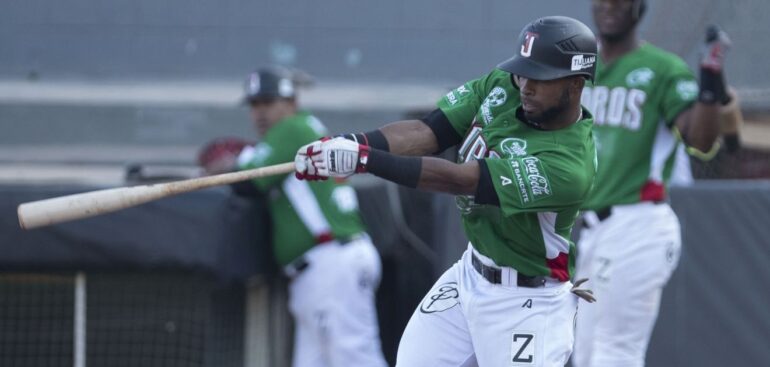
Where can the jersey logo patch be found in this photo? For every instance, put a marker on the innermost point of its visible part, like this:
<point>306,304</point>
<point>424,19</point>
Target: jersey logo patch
<point>687,89</point>
<point>640,77</point>
<point>529,40</point>
<point>531,179</point>
<point>523,349</point>
<point>513,147</point>
<point>496,97</point>
<point>538,183</point>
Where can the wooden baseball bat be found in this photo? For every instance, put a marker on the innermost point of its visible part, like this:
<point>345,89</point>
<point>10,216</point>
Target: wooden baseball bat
<point>88,204</point>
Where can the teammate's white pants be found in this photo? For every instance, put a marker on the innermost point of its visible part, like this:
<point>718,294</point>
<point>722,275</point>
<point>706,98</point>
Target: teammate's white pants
<point>333,304</point>
<point>628,258</point>
<point>467,321</point>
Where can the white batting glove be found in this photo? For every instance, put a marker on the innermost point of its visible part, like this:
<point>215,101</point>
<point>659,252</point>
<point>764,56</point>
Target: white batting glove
<point>337,157</point>
<point>340,157</point>
<point>304,166</point>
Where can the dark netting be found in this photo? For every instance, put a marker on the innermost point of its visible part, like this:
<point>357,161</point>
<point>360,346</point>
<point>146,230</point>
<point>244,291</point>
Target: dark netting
<point>36,320</point>
<point>163,320</point>
<point>745,163</point>
<point>132,320</point>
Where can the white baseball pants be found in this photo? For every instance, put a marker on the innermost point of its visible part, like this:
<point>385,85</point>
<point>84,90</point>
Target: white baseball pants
<point>467,321</point>
<point>628,258</point>
<point>333,304</point>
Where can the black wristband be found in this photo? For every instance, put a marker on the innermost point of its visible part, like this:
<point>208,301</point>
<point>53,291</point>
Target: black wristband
<point>376,140</point>
<point>399,169</point>
<point>373,139</point>
<point>712,87</point>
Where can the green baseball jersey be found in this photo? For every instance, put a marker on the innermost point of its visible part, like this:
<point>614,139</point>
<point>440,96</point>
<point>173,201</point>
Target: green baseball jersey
<point>635,102</point>
<point>302,213</point>
<point>541,177</point>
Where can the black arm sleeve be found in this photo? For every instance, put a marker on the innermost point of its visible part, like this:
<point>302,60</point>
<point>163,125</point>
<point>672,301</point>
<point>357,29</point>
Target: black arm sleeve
<point>445,133</point>
<point>401,170</point>
<point>485,191</point>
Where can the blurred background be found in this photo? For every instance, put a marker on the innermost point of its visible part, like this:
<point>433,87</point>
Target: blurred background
<point>97,94</point>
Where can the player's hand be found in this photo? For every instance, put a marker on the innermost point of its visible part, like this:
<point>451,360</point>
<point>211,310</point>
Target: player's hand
<point>715,49</point>
<point>326,158</point>
<point>713,87</point>
<point>585,294</point>
<point>340,157</point>
<point>304,166</point>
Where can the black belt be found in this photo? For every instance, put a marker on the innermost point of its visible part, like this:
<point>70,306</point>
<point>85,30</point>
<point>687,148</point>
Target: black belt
<point>603,213</point>
<point>493,275</point>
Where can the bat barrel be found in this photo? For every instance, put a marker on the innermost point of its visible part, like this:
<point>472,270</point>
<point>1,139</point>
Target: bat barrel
<point>66,208</point>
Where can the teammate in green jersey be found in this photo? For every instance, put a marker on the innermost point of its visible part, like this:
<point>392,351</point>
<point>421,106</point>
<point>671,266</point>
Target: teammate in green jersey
<point>318,236</point>
<point>526,163</point>
<point>644,102</point>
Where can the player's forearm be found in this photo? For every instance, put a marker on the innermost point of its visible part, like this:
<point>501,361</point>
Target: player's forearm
<point>427,173</point>
<point>444,176</point>
<point>410,137</point>
<point>702,127</point>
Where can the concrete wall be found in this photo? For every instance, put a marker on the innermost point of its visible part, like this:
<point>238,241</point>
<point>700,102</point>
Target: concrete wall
<point>401,39</point>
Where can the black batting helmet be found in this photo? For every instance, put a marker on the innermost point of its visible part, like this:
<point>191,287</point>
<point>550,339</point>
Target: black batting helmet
<point>552,48</point>
<point>269,83</point>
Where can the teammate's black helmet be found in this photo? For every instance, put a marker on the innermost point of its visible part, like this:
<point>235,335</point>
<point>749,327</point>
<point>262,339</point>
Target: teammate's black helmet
<point>269,83</point>
<point>552,48</point>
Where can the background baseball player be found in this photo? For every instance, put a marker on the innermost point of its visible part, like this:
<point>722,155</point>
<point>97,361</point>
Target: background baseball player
<point>644,101</point>
<point>526,162</point>
<point>318,236</point>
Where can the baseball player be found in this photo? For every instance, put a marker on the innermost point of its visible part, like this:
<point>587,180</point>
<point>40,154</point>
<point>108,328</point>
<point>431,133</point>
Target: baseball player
<point>318,236</point>
<point>644,102</point>
<point>526,162</point>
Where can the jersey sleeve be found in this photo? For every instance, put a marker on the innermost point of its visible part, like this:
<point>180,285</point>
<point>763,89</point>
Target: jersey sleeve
<point>279,145</point>
<point>536,184</point>
<point>461,104</point>
<point>680,91</point>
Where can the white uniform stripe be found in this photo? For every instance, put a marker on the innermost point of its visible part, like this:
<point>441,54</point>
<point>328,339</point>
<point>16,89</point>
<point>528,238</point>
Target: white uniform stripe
<point>554,243</point>
<point>662,149</point>
<point>306,205</point>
